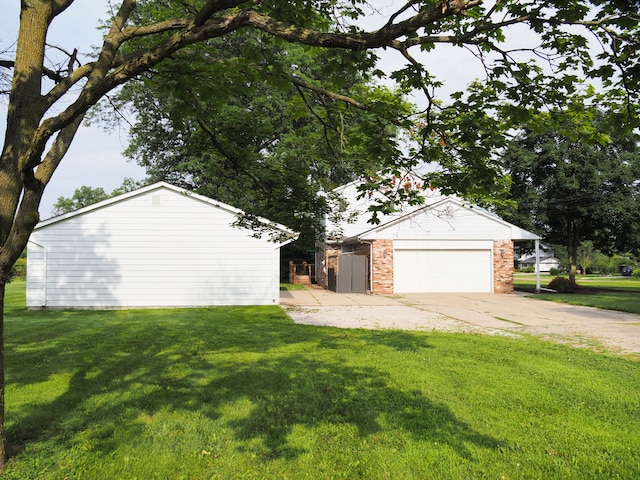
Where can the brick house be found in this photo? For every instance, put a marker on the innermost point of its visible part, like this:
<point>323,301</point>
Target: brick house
<point>444,245</point>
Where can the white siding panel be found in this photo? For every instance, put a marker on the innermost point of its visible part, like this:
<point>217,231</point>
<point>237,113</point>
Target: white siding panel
<point>161,248</point>
<point>450,222</point>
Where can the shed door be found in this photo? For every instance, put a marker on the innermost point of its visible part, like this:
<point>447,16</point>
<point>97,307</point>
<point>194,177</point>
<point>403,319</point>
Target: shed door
<point>442,271</point>
<point>352,274</point>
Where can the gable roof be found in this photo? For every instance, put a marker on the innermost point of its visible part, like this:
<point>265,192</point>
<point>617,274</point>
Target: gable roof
<point>286,235</point>
<point>354,209</point>
<point>517,233</point>
<point>360,229</point>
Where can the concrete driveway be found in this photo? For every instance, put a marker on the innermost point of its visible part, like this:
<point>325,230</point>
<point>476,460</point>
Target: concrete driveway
<point>507,314</point>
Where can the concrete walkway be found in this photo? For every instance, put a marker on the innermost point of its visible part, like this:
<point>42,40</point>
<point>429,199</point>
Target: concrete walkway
<point>316,296</point>
<point>510,314</point>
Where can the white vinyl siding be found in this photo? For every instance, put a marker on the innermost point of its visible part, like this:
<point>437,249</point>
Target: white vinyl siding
<point>445,217</point>
<point>450,221</point>
<point>158,248</point>
<point>442,271</point>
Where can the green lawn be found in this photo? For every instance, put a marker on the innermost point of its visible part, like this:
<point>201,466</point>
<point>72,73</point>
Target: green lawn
<point>292,286</point>
<point>612,293</point>
<point>243,393</point>
<point>592,281</point>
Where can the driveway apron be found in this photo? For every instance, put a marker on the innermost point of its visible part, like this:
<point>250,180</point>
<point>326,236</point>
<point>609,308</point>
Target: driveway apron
<point>498,314</point>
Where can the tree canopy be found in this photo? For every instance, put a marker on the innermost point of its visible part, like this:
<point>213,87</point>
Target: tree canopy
<point>535,54</point>
<point>268,144</point>
<point>82,197</point>
<point>85,195</point>
<point>571,190</point>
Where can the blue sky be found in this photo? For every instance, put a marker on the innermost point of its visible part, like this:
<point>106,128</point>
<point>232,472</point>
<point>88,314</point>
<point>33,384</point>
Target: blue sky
<point>95,157</point>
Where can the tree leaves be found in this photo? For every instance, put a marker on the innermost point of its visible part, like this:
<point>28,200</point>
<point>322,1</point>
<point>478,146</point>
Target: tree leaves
<point>574,179</point>
<point>534,55</point>
<point>253,122</point>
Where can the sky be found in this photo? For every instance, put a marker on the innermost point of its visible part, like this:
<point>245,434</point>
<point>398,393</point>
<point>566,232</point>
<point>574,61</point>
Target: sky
<point>95,158</point>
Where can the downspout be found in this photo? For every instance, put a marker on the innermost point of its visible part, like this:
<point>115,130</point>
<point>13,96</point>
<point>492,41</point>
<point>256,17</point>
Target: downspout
<point>370,263</point>
<point>537,265</point>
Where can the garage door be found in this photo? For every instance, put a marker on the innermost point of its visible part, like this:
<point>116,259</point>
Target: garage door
<point>442,271</point>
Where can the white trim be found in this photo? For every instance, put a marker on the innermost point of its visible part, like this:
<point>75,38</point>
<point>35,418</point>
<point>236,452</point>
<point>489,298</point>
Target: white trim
<point>443,244</point>
<point>537,265</point>
<point>45,263</point>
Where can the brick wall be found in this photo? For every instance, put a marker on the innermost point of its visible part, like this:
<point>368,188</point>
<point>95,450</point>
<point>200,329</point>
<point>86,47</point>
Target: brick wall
<point>361,249</point>
<point>329,258</point>
<point>503,256</point>
<point>382,267</point>
<point>503,266</point>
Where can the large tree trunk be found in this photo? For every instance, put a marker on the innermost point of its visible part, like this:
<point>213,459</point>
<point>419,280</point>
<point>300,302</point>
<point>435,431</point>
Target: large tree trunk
<point>572,246</point>
<point>23,114</point>
<point>17,182</point>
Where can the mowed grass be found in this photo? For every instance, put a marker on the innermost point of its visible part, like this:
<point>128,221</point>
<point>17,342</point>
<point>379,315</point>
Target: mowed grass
<point>243,393</point>
<point>292,286</point>
<point>611,293</point>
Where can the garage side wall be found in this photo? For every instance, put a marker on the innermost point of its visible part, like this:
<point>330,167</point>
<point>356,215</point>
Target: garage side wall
<point>382,266</point>
<point>156,249</point>
<point>503,266</point>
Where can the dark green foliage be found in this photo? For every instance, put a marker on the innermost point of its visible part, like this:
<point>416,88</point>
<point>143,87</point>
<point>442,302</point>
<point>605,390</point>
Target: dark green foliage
<point>19,270</point>
<point>575,179</point>
<point>82,197</point>
<point>255,121</point>
<point>250,121</point>
<point>85,196</point>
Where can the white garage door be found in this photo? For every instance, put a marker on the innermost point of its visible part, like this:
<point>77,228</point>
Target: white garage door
<point>442,271</point>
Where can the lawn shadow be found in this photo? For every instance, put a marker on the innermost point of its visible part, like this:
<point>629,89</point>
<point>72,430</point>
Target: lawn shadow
<point>122,366</point>
<point>398,340</point>
<point>297,390</point>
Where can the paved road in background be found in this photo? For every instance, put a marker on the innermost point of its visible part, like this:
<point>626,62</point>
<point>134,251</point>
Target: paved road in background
<point>498,314</point>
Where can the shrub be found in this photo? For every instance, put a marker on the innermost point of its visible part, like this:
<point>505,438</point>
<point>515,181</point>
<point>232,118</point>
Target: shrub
<point>564,285</point>
<point>19,270</point>
<point>554,271</point>
<point>636,272</point>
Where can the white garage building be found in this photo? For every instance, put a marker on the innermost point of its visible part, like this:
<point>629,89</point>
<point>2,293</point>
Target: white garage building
<point>159,246</point>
